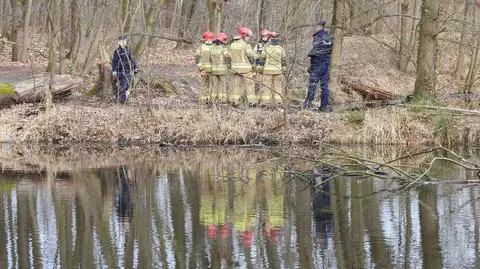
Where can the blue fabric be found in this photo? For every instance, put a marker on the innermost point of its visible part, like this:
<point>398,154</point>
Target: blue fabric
<point>319,72</point>
<point>124,84</point>
<point>322,45</point>
<point>123,62</point>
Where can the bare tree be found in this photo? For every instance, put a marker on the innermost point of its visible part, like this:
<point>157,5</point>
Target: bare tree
<point>148,26</point>
<point>53,36</point>
<point>215,10</point>
<point>21,11</point>
<point>338,24</point>
<point>427,49</point>
<point>462,59</point>
<point>188,9</point>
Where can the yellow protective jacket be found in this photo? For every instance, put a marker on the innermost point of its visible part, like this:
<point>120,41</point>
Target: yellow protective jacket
<point>203,57</point>
<point>219,57</point>
<point>275,60</point>
<point>243,57</point>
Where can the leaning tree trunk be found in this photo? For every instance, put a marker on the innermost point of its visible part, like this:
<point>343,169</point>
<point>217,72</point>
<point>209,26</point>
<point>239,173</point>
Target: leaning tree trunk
<point>215,9</point>
<point>462,60</point>
<point>53,37</point>
<point>188,9</point>
<point>427,49</point>
<point>262,14</point>
<point>1,17</point>
<point>21,12</point>
<point>148,28</point>
<point>404,51</point>
<point>338,24</point>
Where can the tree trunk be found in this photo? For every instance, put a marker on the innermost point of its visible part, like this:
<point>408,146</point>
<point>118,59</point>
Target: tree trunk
<point>21,12</point>
<point>53,37</point>
<point>338,24</point>
<point>61,38</point>
<point>462,60</point>
<point>2,5</point>
<point>126,16</point>
<point>404,51</point>
<point>188,9</point>
<point>427,48</point>
<point>148,28</point>
<point>215,8</point>
<point>74,34</point>
<point>262,15</point>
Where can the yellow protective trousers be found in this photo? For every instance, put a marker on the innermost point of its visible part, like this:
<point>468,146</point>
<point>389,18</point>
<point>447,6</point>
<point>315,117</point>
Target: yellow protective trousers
<point>273,85</point>
<point>243,89</point>
<point>206,82</point>
<point>219,88</point>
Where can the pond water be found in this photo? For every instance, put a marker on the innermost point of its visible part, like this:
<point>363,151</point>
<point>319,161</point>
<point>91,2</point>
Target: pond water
<point>219,213</point>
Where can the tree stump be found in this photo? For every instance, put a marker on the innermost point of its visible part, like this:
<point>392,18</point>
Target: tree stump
<point>106,83</point>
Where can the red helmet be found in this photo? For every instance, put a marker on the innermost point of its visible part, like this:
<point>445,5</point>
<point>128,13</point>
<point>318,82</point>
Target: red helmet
<point>208,36</point>
<point>244,32</point>
<point>222,37</point>
<point>274,34</point>
<point>264,33</point>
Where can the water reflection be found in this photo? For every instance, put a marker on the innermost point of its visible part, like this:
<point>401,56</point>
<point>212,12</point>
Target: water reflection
<point>231,216</point>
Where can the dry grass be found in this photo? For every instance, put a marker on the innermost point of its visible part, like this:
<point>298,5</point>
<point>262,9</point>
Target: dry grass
<point>130,125</point>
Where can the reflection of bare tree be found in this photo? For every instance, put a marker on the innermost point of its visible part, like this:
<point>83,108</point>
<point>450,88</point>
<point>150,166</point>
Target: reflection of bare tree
<point>380,251</point>
<point>432,254</point>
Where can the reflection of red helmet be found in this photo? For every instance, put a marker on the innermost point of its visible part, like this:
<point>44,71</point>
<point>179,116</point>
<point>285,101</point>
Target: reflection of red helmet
<point>222,37</point>
<point>212,231</point>
<point>244,32</point>
<point>247,239</point>
<point>264,33</point>
<point>208,36</point>
<point>225,231</point>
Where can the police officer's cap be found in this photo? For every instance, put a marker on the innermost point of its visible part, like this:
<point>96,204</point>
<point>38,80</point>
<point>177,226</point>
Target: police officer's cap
<point>123,37</point>
<point>321,22</point>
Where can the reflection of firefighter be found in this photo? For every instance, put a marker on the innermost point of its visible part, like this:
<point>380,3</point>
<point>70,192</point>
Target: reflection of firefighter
<point>124,195</point>
<point>322,212</point>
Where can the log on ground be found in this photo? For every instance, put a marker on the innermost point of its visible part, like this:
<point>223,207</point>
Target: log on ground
<point>33,90</point>
<point>367,92</point>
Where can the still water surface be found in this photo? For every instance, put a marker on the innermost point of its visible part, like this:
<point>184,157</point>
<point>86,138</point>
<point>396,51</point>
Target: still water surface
<point>214,215</point>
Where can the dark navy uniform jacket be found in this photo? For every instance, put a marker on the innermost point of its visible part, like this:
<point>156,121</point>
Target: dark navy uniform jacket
<point>322,45</point>
<point>123,62</point>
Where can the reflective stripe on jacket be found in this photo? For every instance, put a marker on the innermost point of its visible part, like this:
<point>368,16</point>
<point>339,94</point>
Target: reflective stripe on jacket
<point>218,57</point>
<point>276,60</point>
<point>203,58</point>
<point>243,56</point>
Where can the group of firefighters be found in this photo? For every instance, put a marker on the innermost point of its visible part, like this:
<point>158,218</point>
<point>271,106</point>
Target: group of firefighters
<point>255,73</point>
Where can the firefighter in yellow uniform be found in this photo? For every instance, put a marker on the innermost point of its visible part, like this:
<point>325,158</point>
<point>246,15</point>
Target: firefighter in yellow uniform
<point>260,90</point>
<point>205,67</point>
<point>275,66</point>
<point>243,60</point>
<point>219,57</point>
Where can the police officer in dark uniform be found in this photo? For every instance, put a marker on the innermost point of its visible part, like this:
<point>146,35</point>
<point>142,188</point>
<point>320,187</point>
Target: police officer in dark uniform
<point>320,56</point>
<point>123,64</point>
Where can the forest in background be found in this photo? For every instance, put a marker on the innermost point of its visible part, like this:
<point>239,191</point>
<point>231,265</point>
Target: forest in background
<point>77,29</point>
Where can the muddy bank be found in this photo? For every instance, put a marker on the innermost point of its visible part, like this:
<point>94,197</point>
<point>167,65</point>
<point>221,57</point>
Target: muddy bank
<point>111,124</point>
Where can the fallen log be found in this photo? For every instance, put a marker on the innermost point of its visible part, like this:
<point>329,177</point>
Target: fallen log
<point>33,90</point>
<point>367,92</point>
